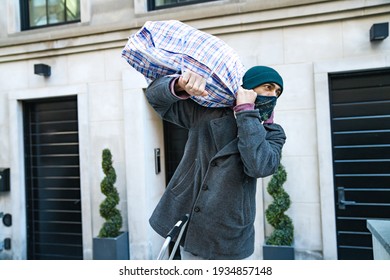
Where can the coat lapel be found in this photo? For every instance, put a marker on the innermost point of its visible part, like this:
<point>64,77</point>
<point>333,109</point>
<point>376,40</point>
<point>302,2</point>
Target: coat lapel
<point>224,132</point>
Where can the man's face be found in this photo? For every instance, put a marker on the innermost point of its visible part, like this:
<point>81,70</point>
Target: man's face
<point>268,89</point>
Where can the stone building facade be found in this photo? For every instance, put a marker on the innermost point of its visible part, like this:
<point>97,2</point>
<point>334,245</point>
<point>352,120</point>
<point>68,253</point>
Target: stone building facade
<point>307,41</point>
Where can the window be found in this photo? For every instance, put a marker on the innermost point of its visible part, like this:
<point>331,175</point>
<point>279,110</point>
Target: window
<point>162,4</point>
<point>43,13</point>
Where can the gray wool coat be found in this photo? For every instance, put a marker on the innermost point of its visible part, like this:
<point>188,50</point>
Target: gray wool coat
<point>215,181</point>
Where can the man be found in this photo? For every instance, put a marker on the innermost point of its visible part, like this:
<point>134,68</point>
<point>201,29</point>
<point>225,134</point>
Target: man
<point>226,151</point>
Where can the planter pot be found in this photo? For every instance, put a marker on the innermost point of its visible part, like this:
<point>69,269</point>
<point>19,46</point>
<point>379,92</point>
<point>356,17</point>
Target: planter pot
<point>272,252</point>
<point>116,248</point>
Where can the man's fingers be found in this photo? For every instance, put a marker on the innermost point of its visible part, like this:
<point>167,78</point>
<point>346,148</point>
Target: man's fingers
<point>194,84</point>
<point>204,93</point>
<point>245,96</point>
<point>186,76</point>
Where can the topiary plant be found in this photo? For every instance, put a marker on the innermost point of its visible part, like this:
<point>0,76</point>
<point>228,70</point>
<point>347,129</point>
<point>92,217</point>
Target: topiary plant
<point>283,233</point>
<point>108,209</point>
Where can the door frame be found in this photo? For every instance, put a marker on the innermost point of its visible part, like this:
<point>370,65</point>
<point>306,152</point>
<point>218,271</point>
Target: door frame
<point>17,163</point>
<point>324,142</point>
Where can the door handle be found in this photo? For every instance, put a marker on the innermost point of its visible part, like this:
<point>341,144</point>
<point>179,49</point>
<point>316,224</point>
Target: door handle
<point>342,203</point>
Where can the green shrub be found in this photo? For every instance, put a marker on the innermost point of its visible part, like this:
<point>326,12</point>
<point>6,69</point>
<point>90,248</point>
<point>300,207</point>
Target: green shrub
<point>283,233</point>
<point>108,210</point>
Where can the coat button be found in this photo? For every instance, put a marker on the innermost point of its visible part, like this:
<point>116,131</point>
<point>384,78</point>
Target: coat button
<point>205,187</point>
<point>213,163</point>
<point>196,209</point>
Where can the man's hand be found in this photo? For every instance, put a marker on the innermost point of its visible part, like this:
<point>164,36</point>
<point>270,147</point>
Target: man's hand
<point>245,96</point>
<point>192,83</point>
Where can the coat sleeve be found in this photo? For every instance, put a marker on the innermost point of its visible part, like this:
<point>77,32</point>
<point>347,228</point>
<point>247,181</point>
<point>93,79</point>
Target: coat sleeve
<point>260,145</point>
<point>170,107</point>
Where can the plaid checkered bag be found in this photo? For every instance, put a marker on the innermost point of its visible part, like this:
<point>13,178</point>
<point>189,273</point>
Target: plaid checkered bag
<point>162,48</point>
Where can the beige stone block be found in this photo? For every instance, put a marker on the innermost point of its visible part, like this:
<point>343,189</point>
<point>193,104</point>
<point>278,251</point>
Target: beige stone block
<point>307,226</point>
<point>86,67</point>
<point>298,92</point>
<point>107,134</point>
<point>313,42</point>
<point>302,179</point>
<point>4,108</point>
<point>133,80</point>
<point>13,75</point>
<point>257,47</point>
<point>105,101</point>
<point>4,143</point>
<point>114,64</point>
<point>300,129</point>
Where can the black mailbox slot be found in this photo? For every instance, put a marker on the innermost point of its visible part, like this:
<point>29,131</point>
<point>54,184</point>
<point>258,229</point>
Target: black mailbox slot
<point>7,220</point>
<point>157,162</point>
<point>4,180</point>
<point>7,243</point>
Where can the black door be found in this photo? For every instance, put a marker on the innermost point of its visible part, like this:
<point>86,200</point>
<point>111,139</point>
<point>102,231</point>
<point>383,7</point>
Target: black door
<point>360,121</point>
<point>53,209</point>
<point>175,138</point>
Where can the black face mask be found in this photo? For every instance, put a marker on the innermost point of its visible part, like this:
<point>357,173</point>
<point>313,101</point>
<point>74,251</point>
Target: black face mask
<point>266,105</point>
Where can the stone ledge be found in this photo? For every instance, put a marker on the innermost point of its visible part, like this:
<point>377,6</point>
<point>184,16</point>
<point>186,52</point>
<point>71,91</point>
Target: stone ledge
<point>380,230</point>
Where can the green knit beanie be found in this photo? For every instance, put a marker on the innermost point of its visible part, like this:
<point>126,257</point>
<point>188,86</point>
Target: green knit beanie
<point>259,75</point>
